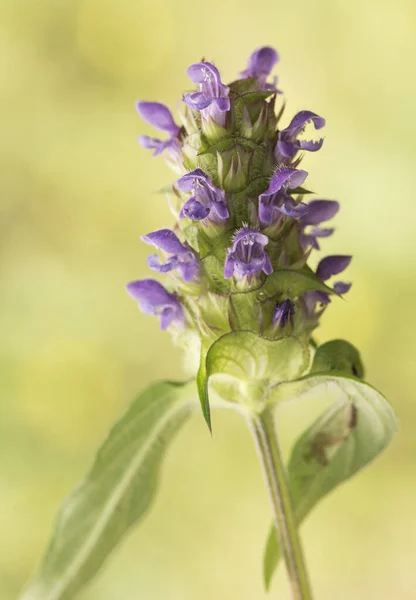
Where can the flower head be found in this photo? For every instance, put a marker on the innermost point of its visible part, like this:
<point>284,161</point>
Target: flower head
<point>260,65</point>
<point>247,255</point>
<point>276,198</point>
<point>183,258</point>
<point>212,99</point>
<point>207,200</point>
<point>159,116</point>
<point>228,147</point>
<point>288,144</point>
<point>153,299</point>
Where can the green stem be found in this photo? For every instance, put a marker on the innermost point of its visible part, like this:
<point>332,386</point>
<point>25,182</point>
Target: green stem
<point>264,434</point>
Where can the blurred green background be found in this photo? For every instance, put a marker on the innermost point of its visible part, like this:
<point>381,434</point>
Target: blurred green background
<point>77,192</point>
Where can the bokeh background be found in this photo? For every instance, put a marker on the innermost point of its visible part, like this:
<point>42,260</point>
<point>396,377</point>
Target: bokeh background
<point>76,192</point>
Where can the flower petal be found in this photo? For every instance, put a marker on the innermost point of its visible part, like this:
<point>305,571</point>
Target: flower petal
<point>167,316</point>
<point>286,177</point>
<point>332,265</point>
<point>291,208</point>
<point>228,267</point>
<point>300,120</point>
<point>223,104</point>
<point>150,295</point>
<point>153,299</point>
<point>220,208</point>
<point>197,100</point>
<point>188,270</point>
<point>193,210</point>
<point>246,234</point>
<point>267,267</point>
<point>341,287</point>
<point>166,240</point>
<point>187,182</point>
<point>261,62</point>
<point>310,145</point>
<point>158,115</point>
<point>154,263</point>
<point>319,211</point>
<point>202,72</point>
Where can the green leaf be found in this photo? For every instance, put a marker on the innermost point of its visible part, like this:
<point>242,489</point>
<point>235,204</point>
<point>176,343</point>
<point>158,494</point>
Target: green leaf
<point>340,356</point>
<point>300,190</point>
<point>202,384</point>
<point>255,95</point>
<point>245,366</point>
<point>358,426</point>
<point>115,494</point>
<point>291,283</point>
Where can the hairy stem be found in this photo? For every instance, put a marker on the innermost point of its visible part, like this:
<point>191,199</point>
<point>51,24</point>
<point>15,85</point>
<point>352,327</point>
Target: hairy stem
<point>264,434</point>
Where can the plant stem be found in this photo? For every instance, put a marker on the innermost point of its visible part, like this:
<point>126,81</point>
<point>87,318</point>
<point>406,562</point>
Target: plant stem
<point>264,434</point>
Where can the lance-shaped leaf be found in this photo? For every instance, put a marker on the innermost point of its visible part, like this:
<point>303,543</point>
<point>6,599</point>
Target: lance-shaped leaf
<point>357,427</point>
<point>115,494</point>
<point>244,366</point>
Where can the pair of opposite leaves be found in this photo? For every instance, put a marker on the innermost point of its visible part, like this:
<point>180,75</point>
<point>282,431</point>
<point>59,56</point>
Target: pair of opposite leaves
<point>122,482</point>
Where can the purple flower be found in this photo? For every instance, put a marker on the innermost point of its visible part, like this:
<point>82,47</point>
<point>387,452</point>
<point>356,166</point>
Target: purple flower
<point>159,116</point>
<point>183,258</point>
<point>207,200</point>
<point>318,211</point>
<point>153,299</point>
<point>212,99</point>
<point>275,197</point>
<point>247,255</point>
<point>260,65</point>
<point>327,267</point>
<point>283,313</point>
<point>288,144</point>
<point>333,265</point>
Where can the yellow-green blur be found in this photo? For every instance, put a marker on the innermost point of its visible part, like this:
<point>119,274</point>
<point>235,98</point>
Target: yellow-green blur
<point>77,191</point>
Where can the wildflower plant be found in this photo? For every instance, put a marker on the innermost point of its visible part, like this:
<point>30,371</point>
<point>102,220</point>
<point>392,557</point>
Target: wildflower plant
<point>238,295</point>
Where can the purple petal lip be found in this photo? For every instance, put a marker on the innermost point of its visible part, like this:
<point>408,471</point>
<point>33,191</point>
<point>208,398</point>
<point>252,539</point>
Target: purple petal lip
<point>276,198</point>
<point>301,119</point>
<point>159,116</point>
<point>249,236</point>
<point>166,240</point>
<point>285,178</point>
<point>154,263</point>
<point>197,100</point>
<point>311,146</point>
<point>340,287</point>
<point>202,72</point>
<point>319,211</point>
<point>332,265</point>
<point>158,146</point>
<point>153,299</point>
<point>187,182</point>
<point>291,208</point>
<point>288,144</point>
<point>261,62</point>
<point>195,211</point>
